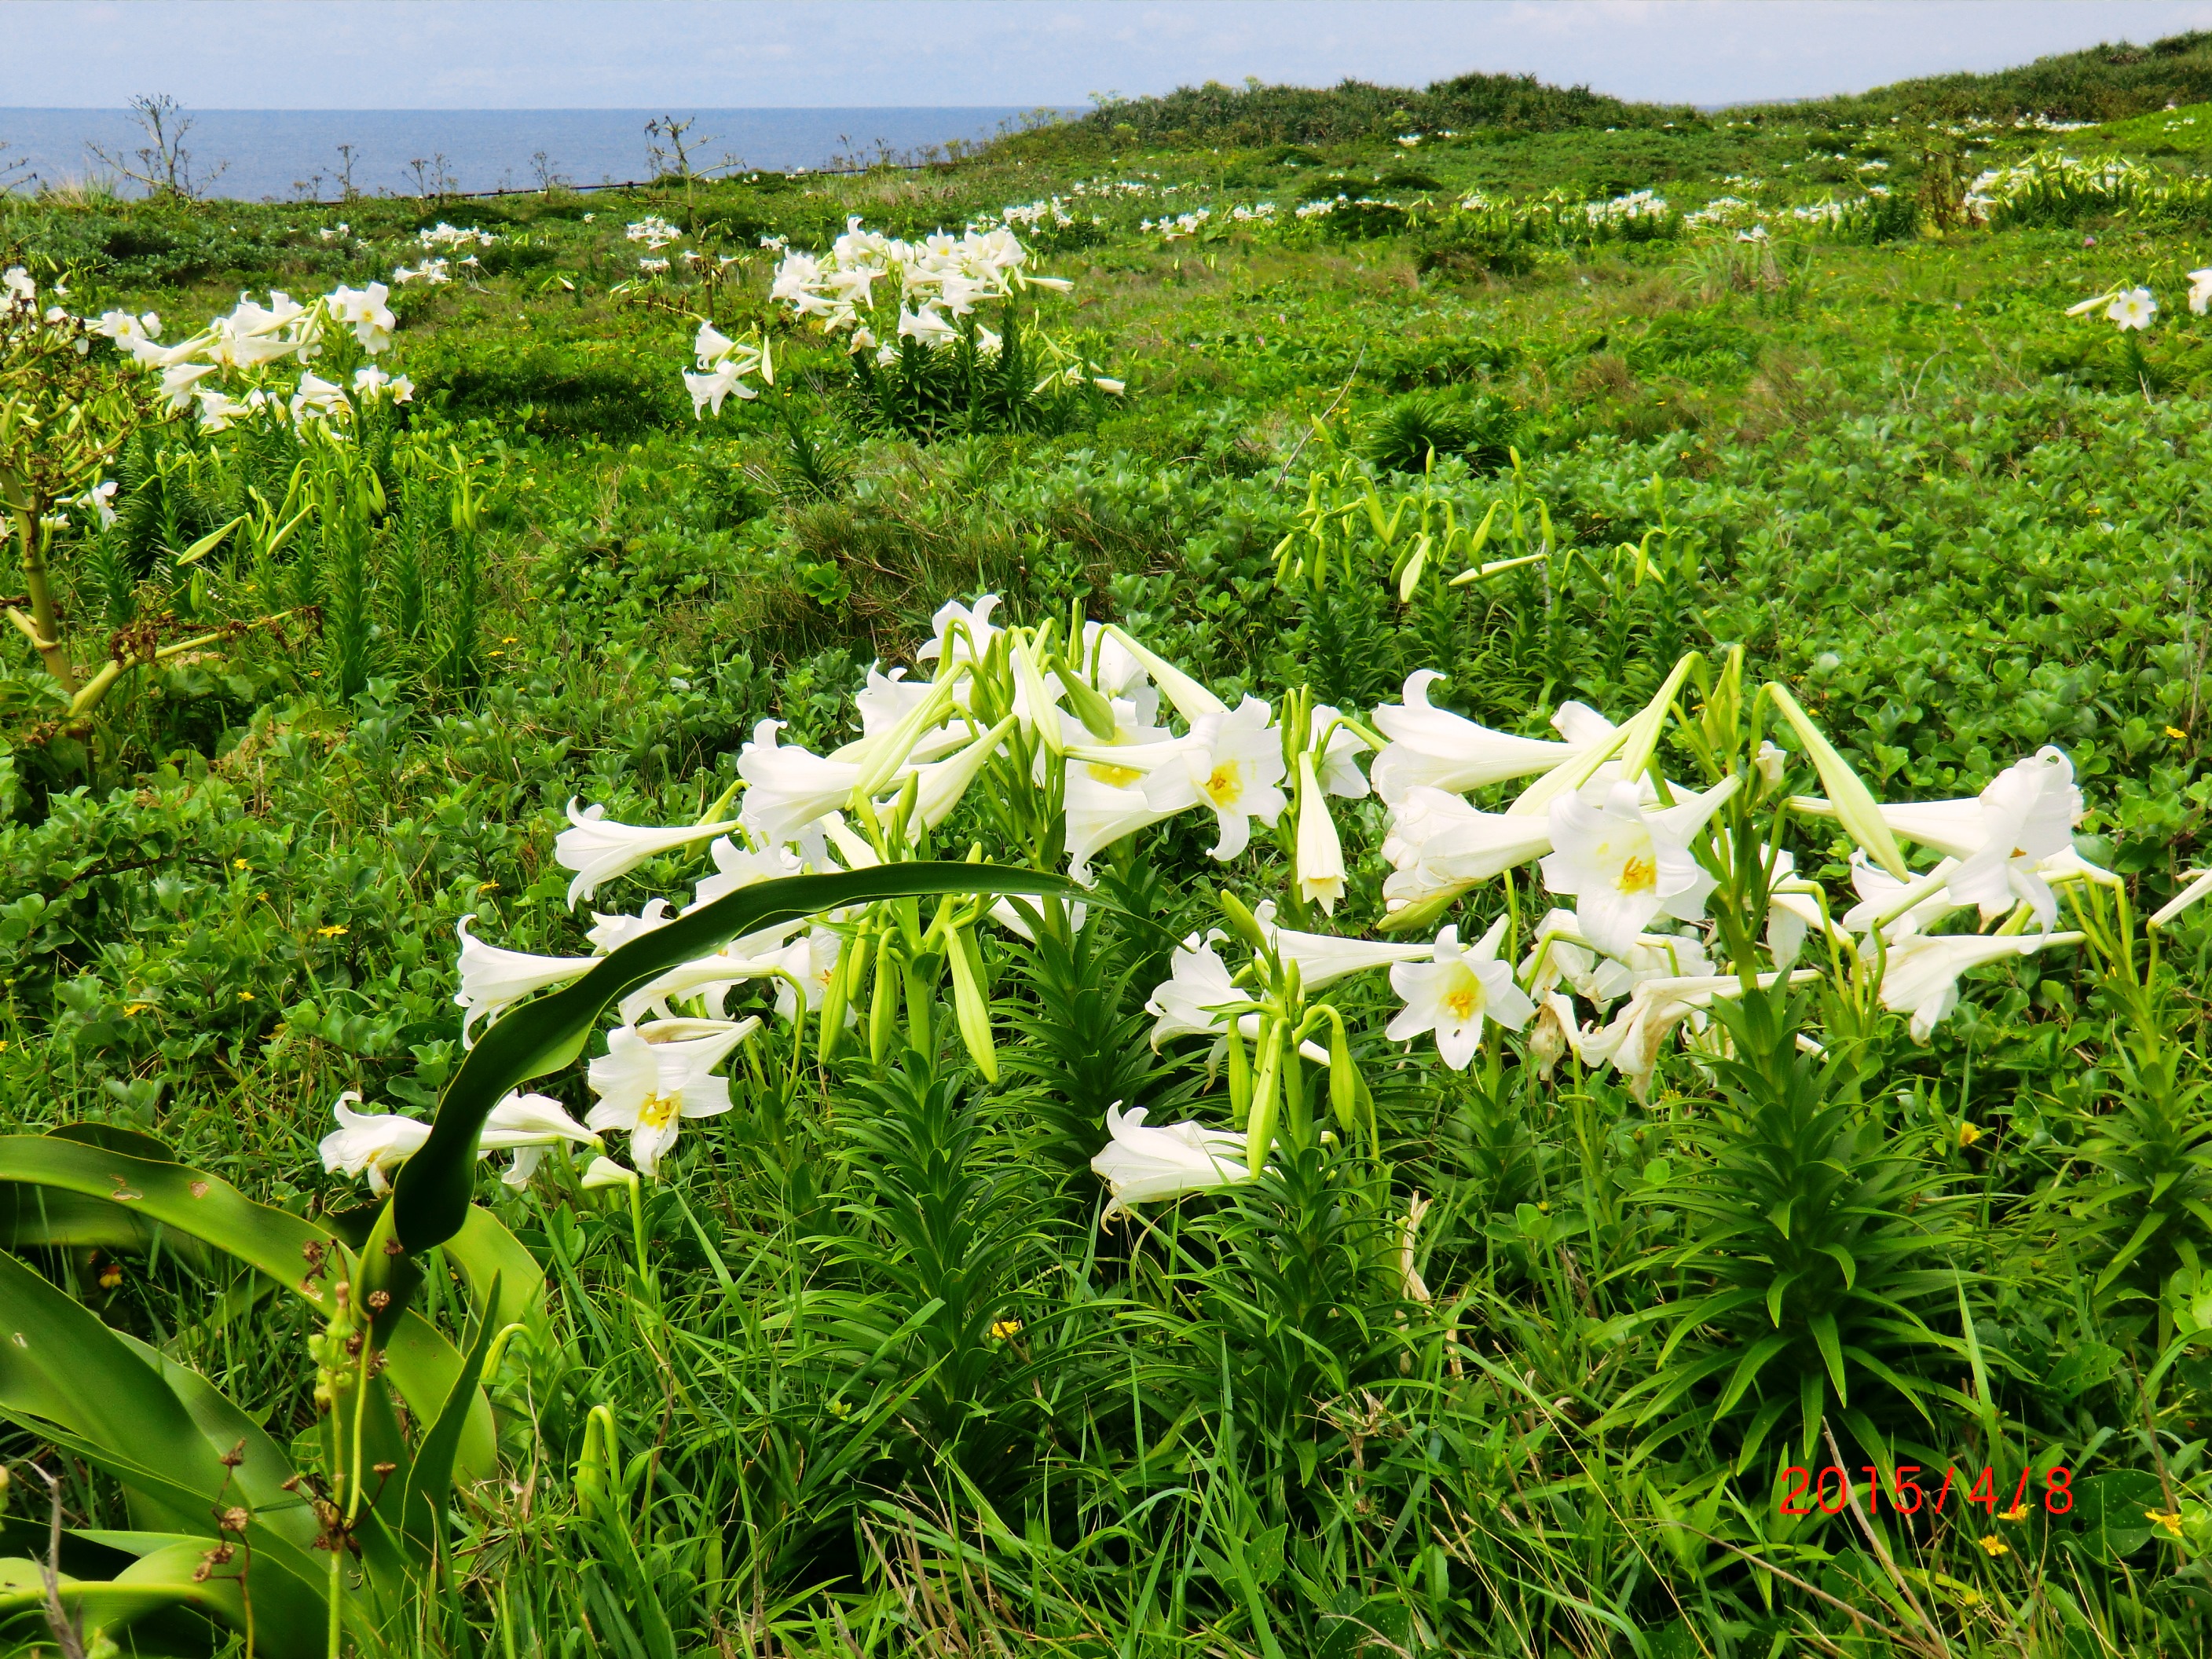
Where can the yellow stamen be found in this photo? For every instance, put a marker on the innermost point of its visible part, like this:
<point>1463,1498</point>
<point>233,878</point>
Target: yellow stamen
<point>1121,777</point>
<point>1222,785</point>
<point>1639,875</point>
<point>657,1111</point>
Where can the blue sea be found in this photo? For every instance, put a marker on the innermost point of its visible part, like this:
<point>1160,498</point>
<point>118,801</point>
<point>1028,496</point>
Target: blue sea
<point>284,154</point>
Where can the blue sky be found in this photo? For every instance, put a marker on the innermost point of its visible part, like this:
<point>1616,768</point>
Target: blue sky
<point>492,54</point>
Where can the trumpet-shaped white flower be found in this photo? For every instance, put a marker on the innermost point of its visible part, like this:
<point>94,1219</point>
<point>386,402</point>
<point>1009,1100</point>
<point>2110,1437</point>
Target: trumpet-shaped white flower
<point>1141,1165</point>
<point>1324,959</point>
<point>527,1125</point>
<point>2028,813</point>
<point>788,787</point>
<point>755,956</point>
<point>1319,852</point>
<point>1452,993</point>
<point>961,633</point>
<point>1561,951</point>
<point>1336,756</point>
<point>1188,1002</point>
<point>1439,845</point>
<point>610,933</point>
<point>735,867</point>
<point>2200,290</point>
<point>1625,866</point>
<point>652,1077</point>
<point>2011,841</point>
<point>1920,973</point>
<point>493,979</point>
<point>318,399</point>
<point>2131,308</point>
<point>1102,810</point>
<point>1230,764</point>
<point>1632,1043</point>
<point>1436,749</point>
<point>366,310</point>
<point>371,1144</point>
<point>599,850</point>
<point>810,960</point>
<point>887,699</point>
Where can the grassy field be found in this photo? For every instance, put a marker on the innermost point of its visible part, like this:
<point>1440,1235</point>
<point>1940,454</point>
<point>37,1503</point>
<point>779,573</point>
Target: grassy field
<point>1528,1330</point>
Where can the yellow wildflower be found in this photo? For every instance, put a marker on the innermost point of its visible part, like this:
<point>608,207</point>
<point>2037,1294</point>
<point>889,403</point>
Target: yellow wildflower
<point>1003,1329</point>
<point>1968,1135</point>
<point>2017,1512</point>
<point>1993,1547</point>
<point>2170,1520</point>
<point>239,864</point>
<point>2177,734</point>
<point>333,932</point>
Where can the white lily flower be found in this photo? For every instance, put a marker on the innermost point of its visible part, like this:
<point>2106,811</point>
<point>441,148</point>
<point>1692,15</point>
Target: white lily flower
<point>1115,672</point>
<point>1230,764</point>
<point>811,961</point>
<point>527,1125</point>
<point>1336,761</point>
<point>1632,1043</point>
<point>1561,951</point>
<point>599,850</point>
<point>649,1080</point>
<point>605,1172</point>
<point>1439,845</point>
<point>1141,1165</point>
<point>789,787</point>
<point>1794,909</point>
<point>1319,852</point>
<point>371,1144</point>
<point>610,933</point>
<point>1009,916</point>
<point>1437,748</point>
<point>2200,290</point>
<point>1198,983</point>
<point>2028,815</point>
<point>1324,959</point>
<point>2131,308</point>
<point>1879,892</point>
<point>887,699</point>
<point>942,783</point>
<point>1920,973</point>
<point>708,389</point>
<point>1101,812</point>
<point>735,867</point>
<point>2011,841</point>
<point>365,311</point>
<point>756,956</point>
<point>1451,994</point>
<point>178,379</point>
<point>962,633</point>
<point>493,979</point>
<point>1625,866</point>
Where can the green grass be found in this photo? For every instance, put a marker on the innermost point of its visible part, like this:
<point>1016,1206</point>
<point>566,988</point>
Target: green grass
<point>880,1383</point>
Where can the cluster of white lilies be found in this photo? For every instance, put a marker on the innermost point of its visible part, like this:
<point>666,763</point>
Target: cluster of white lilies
<point>1084,736</point>
<point>227,368</point>
<point>927,286</point>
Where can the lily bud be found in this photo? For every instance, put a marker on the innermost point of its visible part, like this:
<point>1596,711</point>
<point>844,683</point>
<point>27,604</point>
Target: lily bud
<point>1343,1081</point>
<point>971,1008</point>
<point>1242,922</point>
<point>1853,801</point>
<point>1093,710</point>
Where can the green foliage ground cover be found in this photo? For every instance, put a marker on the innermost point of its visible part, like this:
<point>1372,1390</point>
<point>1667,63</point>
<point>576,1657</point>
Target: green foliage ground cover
<point>862,1371</point>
